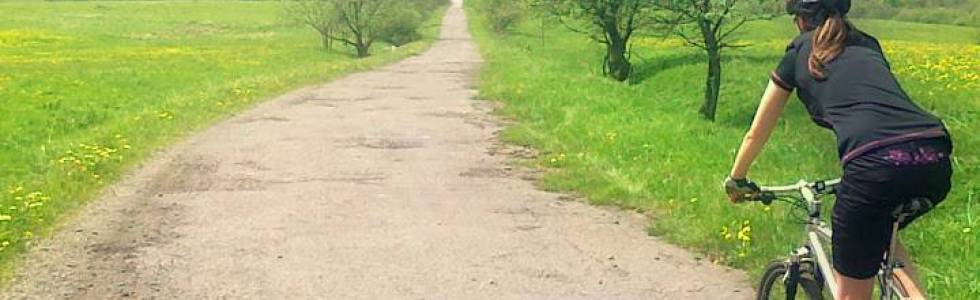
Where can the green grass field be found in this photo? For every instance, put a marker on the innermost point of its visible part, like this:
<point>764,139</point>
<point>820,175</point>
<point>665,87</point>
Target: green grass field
<point>88,89</point>
<point>643,145</point>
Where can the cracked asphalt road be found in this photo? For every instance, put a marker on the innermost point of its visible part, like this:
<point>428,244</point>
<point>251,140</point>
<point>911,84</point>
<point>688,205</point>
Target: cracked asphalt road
<point>387,184</point>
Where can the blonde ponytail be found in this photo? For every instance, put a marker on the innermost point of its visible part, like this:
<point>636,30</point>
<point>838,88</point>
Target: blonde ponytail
<point>828,43</point>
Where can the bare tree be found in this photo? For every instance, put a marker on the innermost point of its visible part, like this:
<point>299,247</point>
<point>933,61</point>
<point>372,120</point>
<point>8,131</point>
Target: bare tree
<point>709,25</point>
<point>612,23</point>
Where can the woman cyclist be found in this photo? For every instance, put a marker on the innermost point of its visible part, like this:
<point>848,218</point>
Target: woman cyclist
<point>891,150</point>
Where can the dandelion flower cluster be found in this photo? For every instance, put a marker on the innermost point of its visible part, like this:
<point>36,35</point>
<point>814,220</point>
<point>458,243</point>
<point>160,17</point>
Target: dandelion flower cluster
<point>87,159</point>
<point>739,234</point>
<point>950,67</point>
<point>22,206</point>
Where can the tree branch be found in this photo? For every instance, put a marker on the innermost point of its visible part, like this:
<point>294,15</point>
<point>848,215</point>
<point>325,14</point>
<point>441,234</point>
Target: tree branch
<point>732,46</point>
<point>724,15</point>
<point>343,40</point>
<point>732,29</point>
<point>691,41</point>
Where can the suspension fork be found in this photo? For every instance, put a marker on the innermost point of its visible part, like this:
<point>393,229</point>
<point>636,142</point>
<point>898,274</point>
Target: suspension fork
<point>792,279</point>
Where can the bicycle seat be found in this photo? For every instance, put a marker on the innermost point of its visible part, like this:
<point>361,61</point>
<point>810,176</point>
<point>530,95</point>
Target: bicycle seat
<point>912,207</point>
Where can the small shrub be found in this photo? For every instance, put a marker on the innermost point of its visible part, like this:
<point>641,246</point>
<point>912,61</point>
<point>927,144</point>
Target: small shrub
<point>502,14</point>
<point>401,27</point>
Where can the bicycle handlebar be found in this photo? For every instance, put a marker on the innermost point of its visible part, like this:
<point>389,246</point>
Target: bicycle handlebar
<point>767,194</point>
<point>821,187</point>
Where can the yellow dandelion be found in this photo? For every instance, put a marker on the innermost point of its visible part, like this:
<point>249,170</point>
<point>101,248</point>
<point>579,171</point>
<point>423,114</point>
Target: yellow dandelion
<point>745,234</point>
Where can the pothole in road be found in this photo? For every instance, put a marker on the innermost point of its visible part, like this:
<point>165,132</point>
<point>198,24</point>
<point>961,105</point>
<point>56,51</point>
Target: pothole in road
<point>485,173</point>
<point>448,114</point>
<point>330,101</point>
<point>378,108</point>
<point>387,143</point>
<point>390,87</point>
<point>264,119</point>
<point>186,174</point>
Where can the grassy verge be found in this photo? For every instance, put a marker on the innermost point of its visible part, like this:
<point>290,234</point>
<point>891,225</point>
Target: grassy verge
<point>88,89</point>
<point>642,146</point>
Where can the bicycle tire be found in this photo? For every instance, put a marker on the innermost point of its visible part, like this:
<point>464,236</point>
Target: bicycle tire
<point>773,275</point>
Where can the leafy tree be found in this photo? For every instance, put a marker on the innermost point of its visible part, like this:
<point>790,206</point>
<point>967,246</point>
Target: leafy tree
<point>612,23</point>
<point>709,25</point>
<point>359,23</point>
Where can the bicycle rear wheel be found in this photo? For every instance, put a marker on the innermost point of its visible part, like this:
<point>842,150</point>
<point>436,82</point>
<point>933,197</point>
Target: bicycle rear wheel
<point>773,284</point>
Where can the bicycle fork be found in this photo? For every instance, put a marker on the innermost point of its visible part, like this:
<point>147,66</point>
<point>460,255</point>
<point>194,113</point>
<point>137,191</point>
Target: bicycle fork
<point>792,278</point>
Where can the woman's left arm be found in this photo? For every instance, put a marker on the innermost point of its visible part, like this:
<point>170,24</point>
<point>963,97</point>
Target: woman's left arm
<point>772,104</point>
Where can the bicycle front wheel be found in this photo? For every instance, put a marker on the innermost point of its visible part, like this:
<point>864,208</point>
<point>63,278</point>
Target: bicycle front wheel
<point>774,283</point>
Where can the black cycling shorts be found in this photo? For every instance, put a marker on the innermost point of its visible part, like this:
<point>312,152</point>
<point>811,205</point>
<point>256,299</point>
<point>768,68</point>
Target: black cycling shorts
<point>873,186</point>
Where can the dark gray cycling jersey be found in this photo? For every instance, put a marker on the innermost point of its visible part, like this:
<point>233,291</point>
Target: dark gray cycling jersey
<point>861,101</point>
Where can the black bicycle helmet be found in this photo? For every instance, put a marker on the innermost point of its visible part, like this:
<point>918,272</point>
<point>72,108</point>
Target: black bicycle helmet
<point>815,7</point>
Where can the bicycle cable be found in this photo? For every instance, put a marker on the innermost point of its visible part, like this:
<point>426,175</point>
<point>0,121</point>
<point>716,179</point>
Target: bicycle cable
<point>798,212</point>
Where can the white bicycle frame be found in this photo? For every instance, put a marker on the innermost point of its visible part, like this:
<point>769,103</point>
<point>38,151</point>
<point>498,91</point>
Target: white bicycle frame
<point>817,232</point>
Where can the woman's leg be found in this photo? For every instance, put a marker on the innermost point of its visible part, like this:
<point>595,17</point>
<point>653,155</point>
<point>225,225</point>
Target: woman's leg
<point>862,227</point>
<point>861,289</point>
<point>854,289</point>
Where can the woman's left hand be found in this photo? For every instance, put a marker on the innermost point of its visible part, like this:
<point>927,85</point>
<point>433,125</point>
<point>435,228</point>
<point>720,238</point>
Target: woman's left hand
<point>740,190</point>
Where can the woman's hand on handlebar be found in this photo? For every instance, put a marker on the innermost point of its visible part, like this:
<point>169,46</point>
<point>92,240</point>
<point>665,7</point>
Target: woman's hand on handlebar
<point>741,190</point>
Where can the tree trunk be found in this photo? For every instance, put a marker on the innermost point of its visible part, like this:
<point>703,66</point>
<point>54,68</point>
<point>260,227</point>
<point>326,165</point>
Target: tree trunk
<point>363,48</point>
<point>362,51</point>
<point>713,81</point>
<point>325,35</point>
<point>327,42</point>
<point>712,85</point>
<point>617,65</point>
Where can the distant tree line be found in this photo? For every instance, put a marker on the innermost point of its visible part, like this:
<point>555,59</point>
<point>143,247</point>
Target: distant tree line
<point>956,12</point>
<point>953,12</point>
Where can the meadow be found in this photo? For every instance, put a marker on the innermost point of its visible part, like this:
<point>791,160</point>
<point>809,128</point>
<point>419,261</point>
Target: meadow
<point>643,146</point>
<point>88,89</point>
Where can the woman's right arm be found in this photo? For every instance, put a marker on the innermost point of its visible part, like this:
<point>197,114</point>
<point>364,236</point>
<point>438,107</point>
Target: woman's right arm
<point>772,104</point>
